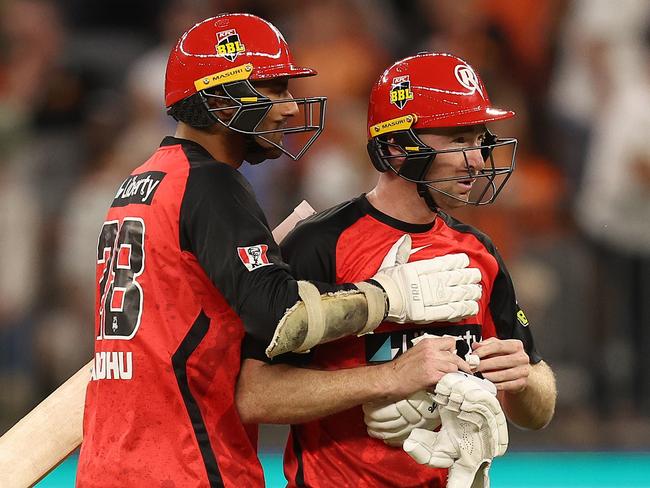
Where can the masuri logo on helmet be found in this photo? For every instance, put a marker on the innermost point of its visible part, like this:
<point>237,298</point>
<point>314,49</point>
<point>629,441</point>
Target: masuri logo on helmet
<point>237,73</point>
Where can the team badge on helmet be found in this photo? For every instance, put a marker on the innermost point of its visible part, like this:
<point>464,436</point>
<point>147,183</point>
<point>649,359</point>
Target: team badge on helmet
<point>400,92</point>
<point>229,45</point>
<point>467,77</point>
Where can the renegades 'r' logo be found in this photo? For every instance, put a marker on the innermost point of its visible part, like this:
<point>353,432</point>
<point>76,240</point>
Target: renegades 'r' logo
<point>467,78</point>
<point>229,45</point>
<point>400,91</point>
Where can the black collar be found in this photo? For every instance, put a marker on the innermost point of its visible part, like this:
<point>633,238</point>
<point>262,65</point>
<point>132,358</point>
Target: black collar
<point>388,220</point>
<point>187,145</point>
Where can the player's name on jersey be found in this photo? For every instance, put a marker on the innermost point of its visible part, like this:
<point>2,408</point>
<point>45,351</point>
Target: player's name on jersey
<point>138,189</point>
<point>112,365</point>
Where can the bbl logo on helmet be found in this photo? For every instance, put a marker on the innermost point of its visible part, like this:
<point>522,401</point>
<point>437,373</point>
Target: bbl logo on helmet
<point>400,91</point>
<point>228,44</point>
<point>466,77</point>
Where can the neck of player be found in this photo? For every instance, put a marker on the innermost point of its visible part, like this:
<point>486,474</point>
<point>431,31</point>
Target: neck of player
<point>226,146</point>
<point>399,199</point>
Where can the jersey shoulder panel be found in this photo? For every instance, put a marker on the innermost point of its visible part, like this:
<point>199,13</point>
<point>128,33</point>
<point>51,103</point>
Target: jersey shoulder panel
<point>217,191</point>
<point>459,226</point>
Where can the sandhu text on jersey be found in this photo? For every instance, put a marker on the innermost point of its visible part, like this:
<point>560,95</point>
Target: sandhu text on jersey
<point>112,365</point>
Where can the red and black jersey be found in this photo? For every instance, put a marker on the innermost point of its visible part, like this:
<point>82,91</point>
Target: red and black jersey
<point>347,244</point>
<point>186,265</point>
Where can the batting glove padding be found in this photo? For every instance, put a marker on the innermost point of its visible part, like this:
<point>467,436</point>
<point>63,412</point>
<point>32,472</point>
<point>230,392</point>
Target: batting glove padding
<point>473,432</point>
<point>440,289</point>
<point>393,422</point>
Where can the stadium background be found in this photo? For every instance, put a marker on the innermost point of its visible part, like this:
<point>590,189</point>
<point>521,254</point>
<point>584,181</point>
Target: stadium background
<point>81,104</point>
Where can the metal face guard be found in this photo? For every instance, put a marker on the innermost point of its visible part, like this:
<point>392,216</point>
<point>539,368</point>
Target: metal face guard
<point>250,107</point>
<point>499,155</point>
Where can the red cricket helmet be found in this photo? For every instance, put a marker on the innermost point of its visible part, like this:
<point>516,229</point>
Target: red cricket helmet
<point>229,51</point>
<point>432,90</point>
<point>223,42</point>
<point>440,89</point>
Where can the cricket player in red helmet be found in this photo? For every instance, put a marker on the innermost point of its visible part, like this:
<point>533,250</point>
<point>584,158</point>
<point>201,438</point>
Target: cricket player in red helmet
<point>354,402</point>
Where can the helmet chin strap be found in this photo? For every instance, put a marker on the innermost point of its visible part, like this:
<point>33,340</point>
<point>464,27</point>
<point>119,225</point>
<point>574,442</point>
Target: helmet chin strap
<point>423,191</point>
<point>255,153</point>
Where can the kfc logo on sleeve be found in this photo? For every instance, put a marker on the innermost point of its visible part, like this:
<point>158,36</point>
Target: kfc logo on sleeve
<point>254,257</point>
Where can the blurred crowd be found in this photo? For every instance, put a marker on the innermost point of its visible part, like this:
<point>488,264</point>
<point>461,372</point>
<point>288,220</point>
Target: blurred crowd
<point>81,105</point>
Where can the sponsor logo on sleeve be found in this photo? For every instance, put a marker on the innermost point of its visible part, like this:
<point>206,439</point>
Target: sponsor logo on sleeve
<point>139,188</point>
<point>254,257</point>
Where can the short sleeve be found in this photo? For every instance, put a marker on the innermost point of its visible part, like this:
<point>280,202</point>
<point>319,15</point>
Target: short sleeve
<point>224,227</point>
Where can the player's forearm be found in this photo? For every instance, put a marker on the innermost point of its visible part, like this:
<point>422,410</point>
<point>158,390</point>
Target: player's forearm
<point>533,407</point>
<point>281,394</point>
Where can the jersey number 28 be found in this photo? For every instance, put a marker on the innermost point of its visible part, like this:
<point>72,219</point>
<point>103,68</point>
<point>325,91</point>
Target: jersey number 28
<point>120,252</point>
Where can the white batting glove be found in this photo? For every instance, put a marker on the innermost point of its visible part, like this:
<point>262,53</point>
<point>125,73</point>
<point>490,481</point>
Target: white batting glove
<point>393,422</point>
<point>473,432</point>
<point>440,289</point>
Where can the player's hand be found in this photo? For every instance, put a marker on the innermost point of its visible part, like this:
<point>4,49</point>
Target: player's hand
<point>504,363</point>
<point>473,432</point>
<point>392,422</point>
<point>440,289</point>
<point>470,358</point>
<point>422,366</point>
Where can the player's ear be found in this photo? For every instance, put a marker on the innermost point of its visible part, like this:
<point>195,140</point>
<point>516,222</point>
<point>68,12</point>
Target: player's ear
<point>219,102</point>
<point>393,150</point>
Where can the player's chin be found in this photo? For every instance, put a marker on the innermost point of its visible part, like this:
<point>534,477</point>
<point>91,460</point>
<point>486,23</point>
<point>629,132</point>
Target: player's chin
<point>273,152</point>
<point>457,201</point>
